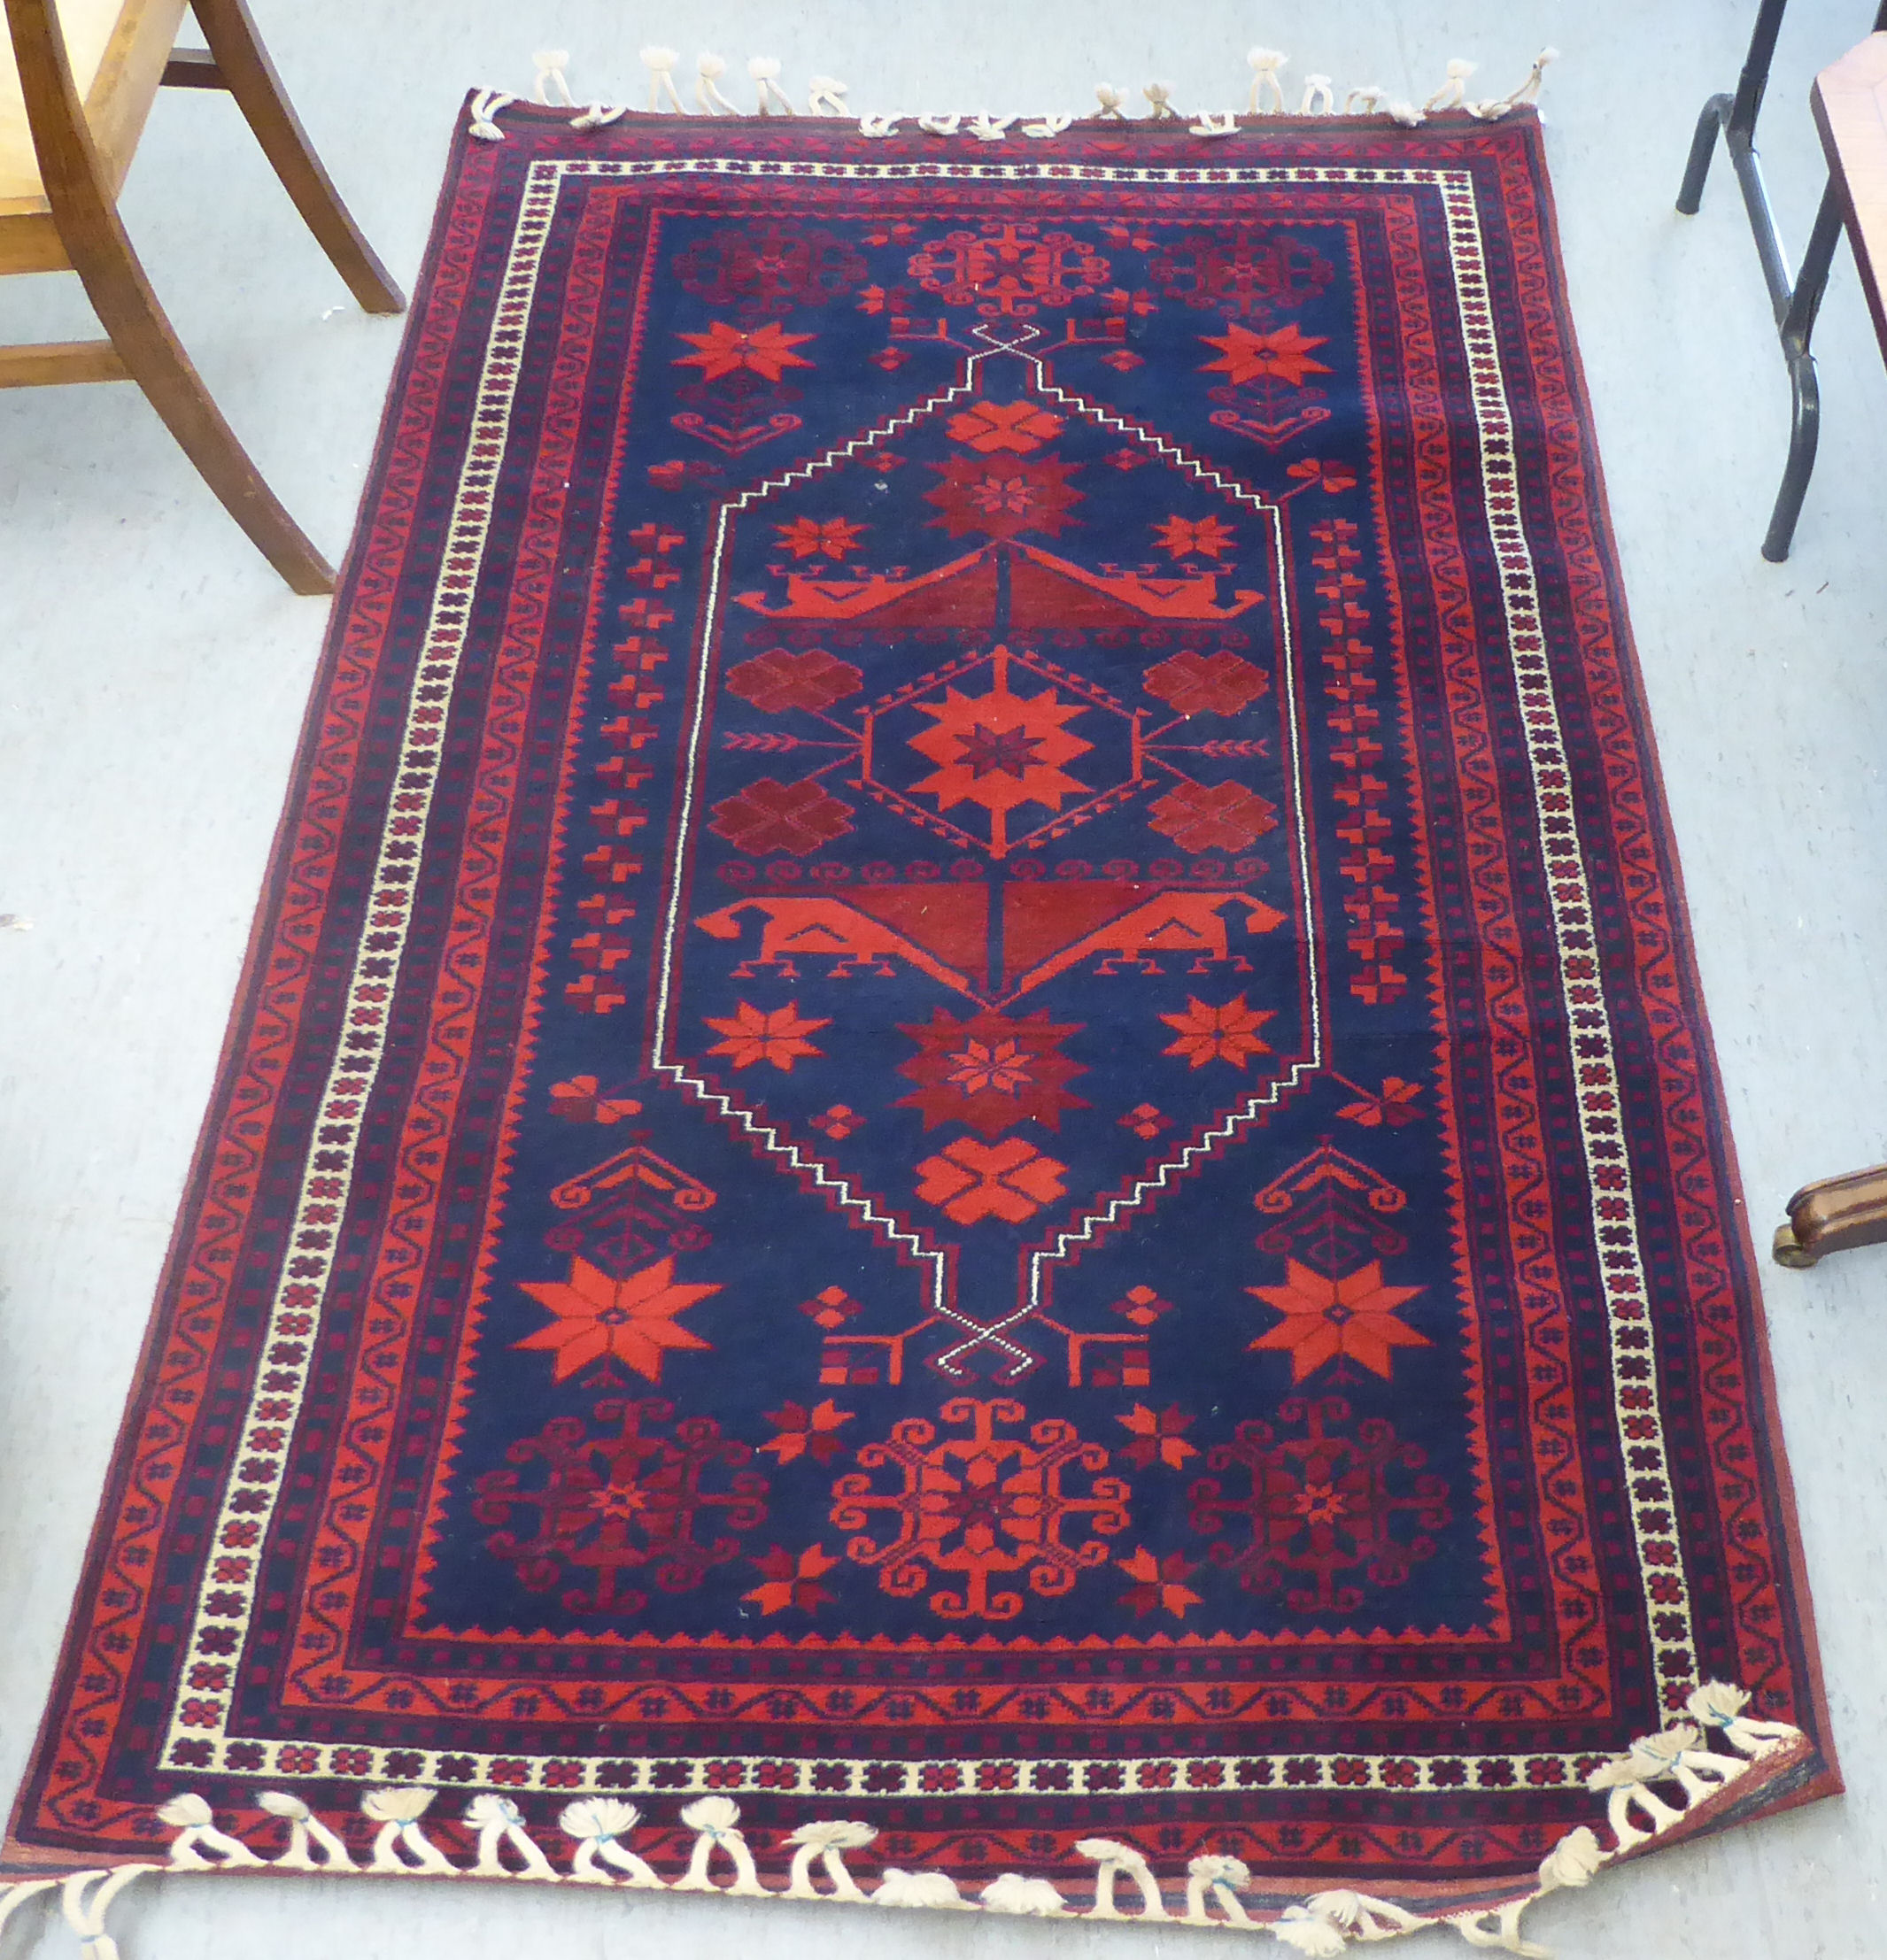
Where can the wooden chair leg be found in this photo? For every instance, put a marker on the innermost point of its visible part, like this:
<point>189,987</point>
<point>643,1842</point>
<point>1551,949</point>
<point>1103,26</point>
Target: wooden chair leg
<point>155,360</point>
<point>249,76</point>
<point>100,252</point>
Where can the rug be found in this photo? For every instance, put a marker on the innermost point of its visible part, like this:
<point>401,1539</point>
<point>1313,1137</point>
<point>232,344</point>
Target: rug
<point>969,1158</point>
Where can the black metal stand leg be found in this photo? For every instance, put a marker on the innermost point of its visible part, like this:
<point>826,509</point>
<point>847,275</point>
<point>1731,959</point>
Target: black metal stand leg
<point>1703,146</point>
<point>1797,327</point>
<point>1793,301</point>
<point>1804,433</point>
<point>1736,115</point>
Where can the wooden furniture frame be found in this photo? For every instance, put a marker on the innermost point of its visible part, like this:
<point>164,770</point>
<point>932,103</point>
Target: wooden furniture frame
<point>83,149</point>
<point>1850,104</point>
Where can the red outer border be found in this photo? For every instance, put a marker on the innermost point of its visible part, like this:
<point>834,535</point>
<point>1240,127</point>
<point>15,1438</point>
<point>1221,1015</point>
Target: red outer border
<point>1828,1781</point>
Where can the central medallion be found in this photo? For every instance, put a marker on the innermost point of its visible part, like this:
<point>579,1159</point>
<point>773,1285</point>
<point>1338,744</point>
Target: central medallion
<point>1000,750</point>
<point>983,751</point>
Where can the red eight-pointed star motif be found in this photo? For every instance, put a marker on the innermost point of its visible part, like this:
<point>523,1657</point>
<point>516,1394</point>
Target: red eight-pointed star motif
<point>1000,750</point>
<point>810,537</point>
<point>753,1035</point>
<point>1182,536</point>
<point>723,350</point>
<point>1283,355</point>
<point>1229,1033</point>
<point>1001,495</point>
<point>1354,1317</point>
<point>632,1319</point>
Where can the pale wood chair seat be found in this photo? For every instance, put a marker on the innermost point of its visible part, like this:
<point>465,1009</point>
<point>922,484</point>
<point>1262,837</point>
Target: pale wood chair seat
<point>116,50</point>
<point>77,80</point>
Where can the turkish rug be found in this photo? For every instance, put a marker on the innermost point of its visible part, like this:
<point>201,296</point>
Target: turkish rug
<point>969,1158</point>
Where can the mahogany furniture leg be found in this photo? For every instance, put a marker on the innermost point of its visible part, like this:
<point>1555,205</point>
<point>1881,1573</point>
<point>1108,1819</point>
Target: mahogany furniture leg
<point>243,68</point>
<point>101,254</point>
<point>1833,1215</point>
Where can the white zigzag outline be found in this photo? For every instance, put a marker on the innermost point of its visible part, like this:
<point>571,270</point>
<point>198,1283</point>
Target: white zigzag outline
<point>891,1229</point>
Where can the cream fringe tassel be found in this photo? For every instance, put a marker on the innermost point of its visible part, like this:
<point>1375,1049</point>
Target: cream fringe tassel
<point>1690,1762</point>
<point>825,97</point>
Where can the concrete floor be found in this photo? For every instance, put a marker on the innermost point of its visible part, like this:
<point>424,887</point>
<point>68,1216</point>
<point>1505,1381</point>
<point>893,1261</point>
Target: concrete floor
<point>152,673</point>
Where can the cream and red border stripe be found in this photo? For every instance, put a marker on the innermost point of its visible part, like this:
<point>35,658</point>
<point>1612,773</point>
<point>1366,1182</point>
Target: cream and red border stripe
<point>229,1603</point>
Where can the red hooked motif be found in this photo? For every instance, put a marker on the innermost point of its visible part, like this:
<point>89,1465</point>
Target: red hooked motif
<point>975,1511</point>
<point>1008,270</point>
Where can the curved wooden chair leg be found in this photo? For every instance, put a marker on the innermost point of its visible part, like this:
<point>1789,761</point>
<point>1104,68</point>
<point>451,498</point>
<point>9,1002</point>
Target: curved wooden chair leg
<point>100,252</point>
<point>155,360</point>
<point>249,76</point>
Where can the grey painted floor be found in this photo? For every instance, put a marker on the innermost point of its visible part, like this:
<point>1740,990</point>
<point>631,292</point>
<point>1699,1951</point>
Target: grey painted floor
<point>152,673</point>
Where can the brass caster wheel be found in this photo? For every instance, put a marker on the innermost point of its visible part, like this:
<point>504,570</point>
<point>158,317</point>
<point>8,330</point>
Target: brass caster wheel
<point>1790,1252</point>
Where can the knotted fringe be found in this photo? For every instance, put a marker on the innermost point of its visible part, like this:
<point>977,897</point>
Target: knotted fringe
<point>85,1897</point>
<point>709,69</point>
<point>401,1846</point>
<point>716,1821</point>
<point>1265,62</point>
<point>596,1823</point>
<point>195,1827</point>
<point>1528,91</point>
<point>550,87</point>
<point>826,1844</point>
<point>764,72</point>
<point>827,97</point>
<point>1216,1880</point>
<point>1654,1788</point>
<point>1453,92</point>
<point>307,1835</point>
<point>659,62</point>
<point>1114,1862</point>
<point>484,113</point>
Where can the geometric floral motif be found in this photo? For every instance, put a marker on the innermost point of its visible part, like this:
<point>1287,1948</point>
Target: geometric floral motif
<point>971,1181</point>
<point>769,815</point>
<point>1246,270</point>
<point>1326,1508</point>
<point>777,681</point>
<point>609,1505</point>
<point>1205,683</point>
<point>1008,269</point>
<point>975,1510</point>
<point>1219,816</point>
<point>766,268</point>
<point>991,1072</point>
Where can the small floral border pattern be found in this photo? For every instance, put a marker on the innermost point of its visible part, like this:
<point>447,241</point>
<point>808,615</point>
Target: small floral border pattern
<point>1693,1761</point>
